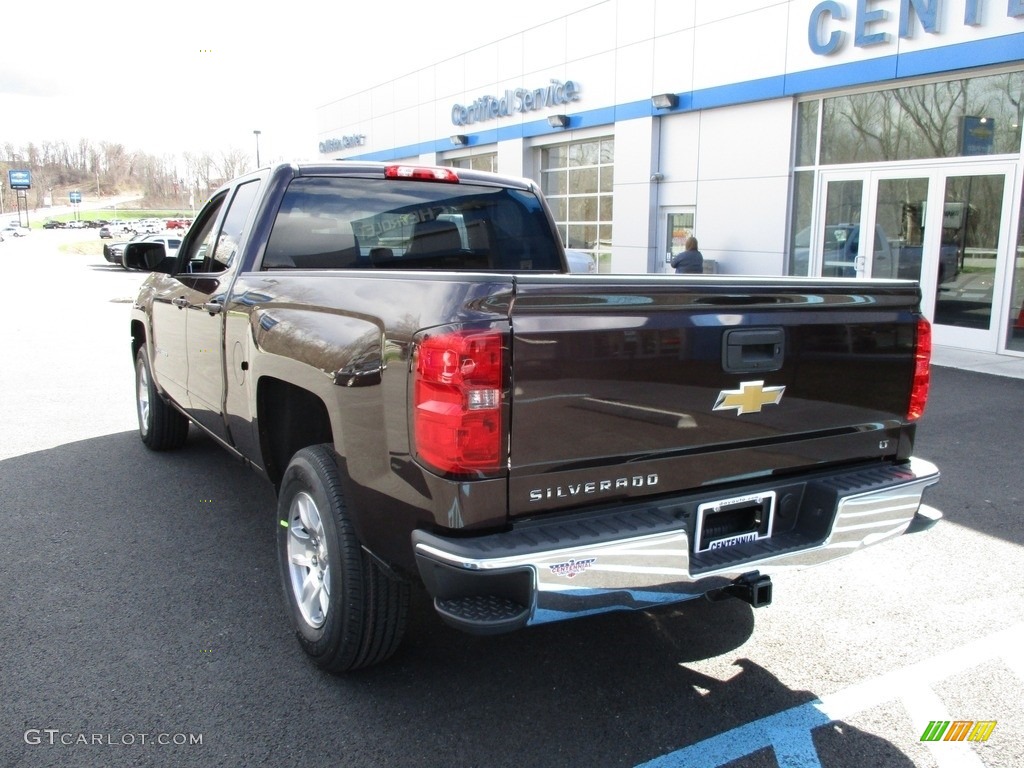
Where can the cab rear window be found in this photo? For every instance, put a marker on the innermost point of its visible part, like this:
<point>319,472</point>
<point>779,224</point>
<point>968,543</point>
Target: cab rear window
<point>358,223</point>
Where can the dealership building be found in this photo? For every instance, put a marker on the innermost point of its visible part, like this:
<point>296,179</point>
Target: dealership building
<point>843,138</point>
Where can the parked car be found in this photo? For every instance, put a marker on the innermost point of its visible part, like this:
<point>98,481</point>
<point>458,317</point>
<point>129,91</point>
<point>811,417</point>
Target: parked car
<point>118,228</point>
<point>106,231</point>
<point>15,231</point>
<point>146,227</point>
<point>53,224</point>
<point>112,251</point>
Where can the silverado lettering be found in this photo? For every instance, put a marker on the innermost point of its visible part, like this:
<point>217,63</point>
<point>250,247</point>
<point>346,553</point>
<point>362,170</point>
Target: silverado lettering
<point>600,486</point>
<point>402,352</point>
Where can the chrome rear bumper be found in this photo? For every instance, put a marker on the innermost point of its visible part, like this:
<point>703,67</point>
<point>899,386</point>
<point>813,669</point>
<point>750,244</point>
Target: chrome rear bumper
<point>641,556</point>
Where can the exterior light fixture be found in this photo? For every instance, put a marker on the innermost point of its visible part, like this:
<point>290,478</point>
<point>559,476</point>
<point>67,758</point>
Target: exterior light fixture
<point>558,121</point>
<point>460,139</point>
<point>665,101</point>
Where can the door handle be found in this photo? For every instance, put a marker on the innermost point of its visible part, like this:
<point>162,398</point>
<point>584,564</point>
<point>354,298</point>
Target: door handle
<point>180,302</point>
<point>213,307</point>
<point>751,350</point>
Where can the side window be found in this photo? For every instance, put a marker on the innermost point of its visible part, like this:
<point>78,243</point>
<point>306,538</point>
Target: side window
<point>200,242</point>
<point>234,224</point>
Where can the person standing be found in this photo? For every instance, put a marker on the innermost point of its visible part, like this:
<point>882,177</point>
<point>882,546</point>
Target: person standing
<point>689,261</point>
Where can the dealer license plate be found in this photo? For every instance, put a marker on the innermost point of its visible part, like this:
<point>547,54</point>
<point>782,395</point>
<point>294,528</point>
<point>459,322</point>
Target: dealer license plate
<point>732,541</point>
<point>730,522</point>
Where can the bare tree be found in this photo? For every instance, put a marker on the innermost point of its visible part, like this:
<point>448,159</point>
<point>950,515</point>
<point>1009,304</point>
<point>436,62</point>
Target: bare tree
<point>233,163</point>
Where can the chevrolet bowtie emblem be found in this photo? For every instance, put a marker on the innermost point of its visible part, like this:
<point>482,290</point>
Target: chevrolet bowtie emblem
<point>749,398</point>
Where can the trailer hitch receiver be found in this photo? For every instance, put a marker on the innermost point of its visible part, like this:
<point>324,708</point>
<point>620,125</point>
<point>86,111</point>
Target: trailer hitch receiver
<point>752,588</point>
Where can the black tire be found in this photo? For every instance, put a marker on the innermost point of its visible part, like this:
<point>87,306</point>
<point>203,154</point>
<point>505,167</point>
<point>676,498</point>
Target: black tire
<point>348,613</point>
<point>161,426</point>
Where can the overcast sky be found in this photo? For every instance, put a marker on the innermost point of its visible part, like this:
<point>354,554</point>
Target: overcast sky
<point>185,75</point>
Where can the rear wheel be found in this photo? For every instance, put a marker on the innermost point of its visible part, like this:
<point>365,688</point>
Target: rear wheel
<point>348,612</point>
<point>161,427</point>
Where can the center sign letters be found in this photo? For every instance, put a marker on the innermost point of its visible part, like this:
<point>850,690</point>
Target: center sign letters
<point>825,36</point>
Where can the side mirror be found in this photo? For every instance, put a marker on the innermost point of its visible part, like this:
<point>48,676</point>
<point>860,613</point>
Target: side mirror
<point>147,257</point>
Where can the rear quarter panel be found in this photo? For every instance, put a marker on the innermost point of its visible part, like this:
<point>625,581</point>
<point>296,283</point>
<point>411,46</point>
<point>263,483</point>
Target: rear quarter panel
<point>310,329</point>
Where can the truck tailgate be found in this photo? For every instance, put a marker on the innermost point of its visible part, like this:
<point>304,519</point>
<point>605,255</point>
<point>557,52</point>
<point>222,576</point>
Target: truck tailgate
<point>632,386</point>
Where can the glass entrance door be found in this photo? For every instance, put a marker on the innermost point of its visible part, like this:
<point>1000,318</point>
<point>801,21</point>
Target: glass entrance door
<point>835,250</point>
<point>871,225</point>
<point>947,229</point>
<point>900,222</point>
<point>969,258</point>
<point>677,226</point>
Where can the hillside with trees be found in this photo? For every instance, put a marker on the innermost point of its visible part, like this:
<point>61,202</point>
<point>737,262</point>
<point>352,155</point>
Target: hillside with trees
<point>103,169</point>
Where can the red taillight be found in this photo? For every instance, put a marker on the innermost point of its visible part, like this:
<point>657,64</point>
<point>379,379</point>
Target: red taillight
<point>922,371</point>
<point>421,173</point>
<point>458,402</point>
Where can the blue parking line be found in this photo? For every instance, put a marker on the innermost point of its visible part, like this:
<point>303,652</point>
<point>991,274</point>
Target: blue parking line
<point>788,733</point>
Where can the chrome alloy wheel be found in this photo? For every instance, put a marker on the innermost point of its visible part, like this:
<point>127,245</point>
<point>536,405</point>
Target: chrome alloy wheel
<point>309,563</point>
<point>142,396</point>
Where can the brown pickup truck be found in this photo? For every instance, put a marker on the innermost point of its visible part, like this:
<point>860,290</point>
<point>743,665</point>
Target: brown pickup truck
<point>402,352</point>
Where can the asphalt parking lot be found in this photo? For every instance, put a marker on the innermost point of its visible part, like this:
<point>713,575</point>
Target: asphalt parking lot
<point>142,623</point>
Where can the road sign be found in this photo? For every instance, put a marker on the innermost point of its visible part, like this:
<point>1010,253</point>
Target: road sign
<point>20,179</point>
<point>76,197</point>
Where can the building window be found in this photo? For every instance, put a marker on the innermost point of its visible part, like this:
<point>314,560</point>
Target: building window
<point>488,162</point>
<point>807,133</point>
<point>800,225</point>
<point>973,116</point>
<point>577,181</point>
<point>956,118</point>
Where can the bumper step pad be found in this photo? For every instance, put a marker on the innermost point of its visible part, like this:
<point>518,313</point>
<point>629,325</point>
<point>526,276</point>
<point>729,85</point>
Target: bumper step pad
<point>482,614</point>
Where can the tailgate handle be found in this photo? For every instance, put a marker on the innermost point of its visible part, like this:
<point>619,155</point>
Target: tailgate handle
<point>750,350</point>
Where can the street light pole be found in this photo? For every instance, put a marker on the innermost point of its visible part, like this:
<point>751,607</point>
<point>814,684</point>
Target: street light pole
<point>257,133</point>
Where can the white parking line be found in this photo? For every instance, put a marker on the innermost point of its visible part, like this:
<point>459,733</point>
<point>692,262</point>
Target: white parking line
<point>788,733</point>
<point>923,705</point>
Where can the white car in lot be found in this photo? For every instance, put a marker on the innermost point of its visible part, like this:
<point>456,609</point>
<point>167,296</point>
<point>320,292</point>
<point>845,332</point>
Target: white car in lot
<point>14,230</point>
<point>118,228</point>
<point>147,227</point>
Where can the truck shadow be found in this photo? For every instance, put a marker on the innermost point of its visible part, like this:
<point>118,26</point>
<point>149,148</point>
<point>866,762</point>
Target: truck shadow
<point>605,690</point>
<point>148,583</point>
